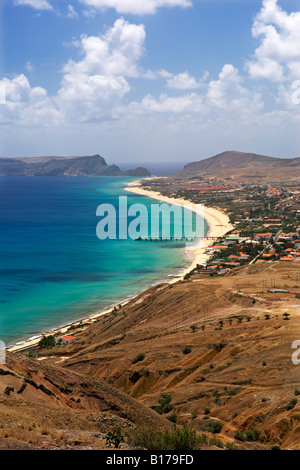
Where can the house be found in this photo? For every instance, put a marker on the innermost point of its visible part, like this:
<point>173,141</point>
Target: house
<point>65,339</point>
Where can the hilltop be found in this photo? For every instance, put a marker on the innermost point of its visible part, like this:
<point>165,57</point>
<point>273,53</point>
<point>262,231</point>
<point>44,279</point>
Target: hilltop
<point>94,165</point>
<point>244,166</point>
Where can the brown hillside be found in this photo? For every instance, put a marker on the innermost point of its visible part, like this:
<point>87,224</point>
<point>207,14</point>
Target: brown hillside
<point>245,167</point>
<point>240,369</point>
<point>44,407</point>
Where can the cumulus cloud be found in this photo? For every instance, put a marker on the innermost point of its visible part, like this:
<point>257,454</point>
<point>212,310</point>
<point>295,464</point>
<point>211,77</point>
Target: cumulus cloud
<point>172,104</point>
<point>26,105</point>
<point>36,4</point>
<point>115,53</point>
<point>183,81</point>
<point>224,95</point>
<point>136,7</point>
<point>91,87</point>
<point>96,83</point>
<point>278,56</point>
<point>229,94</point>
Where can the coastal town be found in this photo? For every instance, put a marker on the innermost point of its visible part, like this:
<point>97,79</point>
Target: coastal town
<point>265,220</point>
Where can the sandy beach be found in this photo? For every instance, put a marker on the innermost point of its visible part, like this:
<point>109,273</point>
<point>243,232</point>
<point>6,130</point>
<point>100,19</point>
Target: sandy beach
<point>218,223</point>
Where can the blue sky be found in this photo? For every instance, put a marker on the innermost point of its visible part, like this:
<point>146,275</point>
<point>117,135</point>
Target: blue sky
<point>156,80</point>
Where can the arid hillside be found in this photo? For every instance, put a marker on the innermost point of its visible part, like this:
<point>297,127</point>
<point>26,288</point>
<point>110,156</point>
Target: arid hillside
<point>220,347</point>
<point>245,167</point>
<point>212,352</point>
<point>44,407</point>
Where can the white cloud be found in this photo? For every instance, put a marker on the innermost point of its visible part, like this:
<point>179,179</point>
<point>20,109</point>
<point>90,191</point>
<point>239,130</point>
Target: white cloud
<point>225,95</point>
<point>72,13</point>
<point>36,4</point>
<point>93,86</point>
<point>229,94</point>
<point>115,53</point>
<point>169,104</point>
<point>278,56</point>
<point>183,81</point>
<point>138,7</point>
<point>26,105</point>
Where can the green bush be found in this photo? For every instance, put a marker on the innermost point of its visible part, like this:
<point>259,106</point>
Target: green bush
<point>187,350</point>
<point>138,358</point>
<point>164,405</point>
<point>172,417</point>
<point>114,438</point>
<point>249,435</point>
<point>252,434</point>
<point>212,426</point>
<point>291,404</point>
<point>181,438</point>
<point>216,442</point>
<point>46,342</point>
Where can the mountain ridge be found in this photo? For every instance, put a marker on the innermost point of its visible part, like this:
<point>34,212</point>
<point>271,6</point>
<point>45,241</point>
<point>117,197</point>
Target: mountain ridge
<point>94,165</point>
<point>241,164</point>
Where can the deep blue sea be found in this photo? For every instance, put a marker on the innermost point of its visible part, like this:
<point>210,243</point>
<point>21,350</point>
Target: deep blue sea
<point>53,267</point>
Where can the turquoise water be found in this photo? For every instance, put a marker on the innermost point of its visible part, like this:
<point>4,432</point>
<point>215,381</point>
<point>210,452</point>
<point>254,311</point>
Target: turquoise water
<point>53,268</point>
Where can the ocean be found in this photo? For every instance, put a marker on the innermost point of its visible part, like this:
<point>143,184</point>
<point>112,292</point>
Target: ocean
<point>54,269</point>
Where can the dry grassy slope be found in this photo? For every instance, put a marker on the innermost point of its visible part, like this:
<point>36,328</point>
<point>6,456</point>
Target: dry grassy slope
<point>253,357</point>
<point>46,407</point>
<point>245,167</point>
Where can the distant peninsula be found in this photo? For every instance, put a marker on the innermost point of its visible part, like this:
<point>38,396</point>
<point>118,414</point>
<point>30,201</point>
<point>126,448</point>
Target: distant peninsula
<point>94,165</point>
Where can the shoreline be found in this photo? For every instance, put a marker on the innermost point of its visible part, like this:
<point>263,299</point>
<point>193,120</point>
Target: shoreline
<point>217,221</point>
<point>218,226</point>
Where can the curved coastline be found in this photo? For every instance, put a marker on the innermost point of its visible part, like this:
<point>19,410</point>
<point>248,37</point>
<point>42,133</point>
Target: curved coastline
<point>218,226</point>
<point>217,221</point>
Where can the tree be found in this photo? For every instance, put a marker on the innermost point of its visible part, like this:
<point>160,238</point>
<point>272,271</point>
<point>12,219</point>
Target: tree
<point>46,342</point>
<point>114,438</point>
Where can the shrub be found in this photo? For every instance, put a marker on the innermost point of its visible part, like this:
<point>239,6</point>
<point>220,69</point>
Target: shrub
<point>181,438</point>
<point>187,350</point>
<point>46,342</point>
<point>212,426</point>
<point>216,442</point>
<point>297,392</point>
<point>233,391</point>
<point>252,434</point>
<point>291,404</point>
<point>249,435</point>
<point>206,410</point>
<point>164,405</point>
<point>138,358</point>
<point>172,417</point>
<point>114,438</point>
<point>240,436</point>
